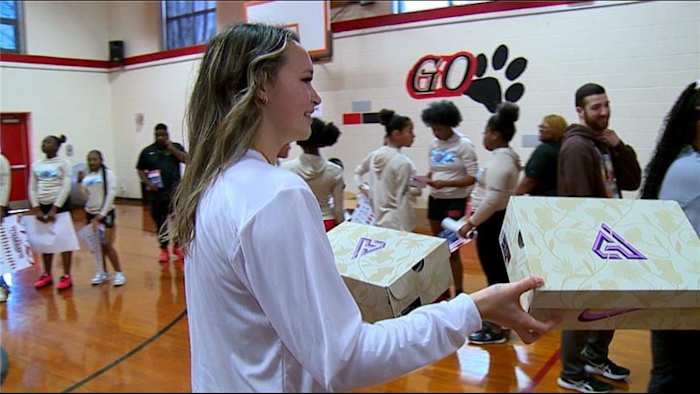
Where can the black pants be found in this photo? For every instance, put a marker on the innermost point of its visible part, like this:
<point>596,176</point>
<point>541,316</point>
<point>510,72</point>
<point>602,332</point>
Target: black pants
<point>161,208</point>
<point>669,372</point>
<point>579,346</point>
<point>489,249</point>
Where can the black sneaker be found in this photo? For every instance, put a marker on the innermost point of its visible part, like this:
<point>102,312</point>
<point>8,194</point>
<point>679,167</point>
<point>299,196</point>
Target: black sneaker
<point>588,384</point>
<point>487,336</point>
<point>607,369</point>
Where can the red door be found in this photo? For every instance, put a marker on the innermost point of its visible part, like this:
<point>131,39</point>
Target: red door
<point>14,144</point>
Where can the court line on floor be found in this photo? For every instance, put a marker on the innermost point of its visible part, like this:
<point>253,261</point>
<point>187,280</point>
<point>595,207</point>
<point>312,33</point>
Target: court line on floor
<point>542,372</point>
<point>126,355</point>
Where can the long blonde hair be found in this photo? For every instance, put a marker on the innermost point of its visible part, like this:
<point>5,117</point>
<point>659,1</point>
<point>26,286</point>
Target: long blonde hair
<point>224,110</point>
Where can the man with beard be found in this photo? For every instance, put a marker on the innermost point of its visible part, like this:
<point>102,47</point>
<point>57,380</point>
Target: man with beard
<point>593,162</point>
<point>159,170</point>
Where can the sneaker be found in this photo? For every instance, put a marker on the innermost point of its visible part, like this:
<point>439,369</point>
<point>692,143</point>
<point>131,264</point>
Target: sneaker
<point>119,279</point>
<point>607,369</point>
<point>588,384</point>
<point>64,283</point>
<point>164,256</point>
<point>487,336</point>
<point>179,253</point>
<point>43,281</point>
<point>99,278</point>
<point>3,294</point>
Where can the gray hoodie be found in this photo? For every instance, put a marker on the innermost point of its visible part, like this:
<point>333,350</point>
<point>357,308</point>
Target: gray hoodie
<point>325,180</point>
<point>392,196</point>
<point>496,183</point>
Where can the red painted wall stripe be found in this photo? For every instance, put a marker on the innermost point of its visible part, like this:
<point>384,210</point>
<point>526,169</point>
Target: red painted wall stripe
<point>336,27</point>
<point>352,118</point>
<point>439,13</point>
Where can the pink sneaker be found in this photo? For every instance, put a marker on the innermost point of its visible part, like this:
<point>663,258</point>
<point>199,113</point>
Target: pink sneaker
<point>43,281</point>
<point>164,256</point>
<point>179,253</point>
<point>64,283</point>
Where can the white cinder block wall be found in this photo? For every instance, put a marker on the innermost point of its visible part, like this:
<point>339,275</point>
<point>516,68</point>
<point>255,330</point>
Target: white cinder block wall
<point>644,53</point>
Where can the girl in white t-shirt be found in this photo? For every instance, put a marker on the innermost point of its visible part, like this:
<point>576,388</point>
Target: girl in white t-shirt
<point>324,178</point>
<point>100,188</point>
<point>49,188</point>
<point>453,168</point>
<point>267,308</point>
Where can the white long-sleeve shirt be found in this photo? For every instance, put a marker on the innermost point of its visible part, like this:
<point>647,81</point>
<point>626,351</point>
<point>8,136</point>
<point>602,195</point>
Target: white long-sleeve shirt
<point>452,160</point>
<point>496,184</point>
<point>5,181</point>
<point>326,182</point>
<point>49,182</point>
<point>361,170</point>
<point>392,197</point>
<point>267,308</point>
<point>92,187</point>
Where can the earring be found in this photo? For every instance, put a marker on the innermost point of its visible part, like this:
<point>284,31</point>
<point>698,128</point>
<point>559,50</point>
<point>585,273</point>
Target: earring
<point>263,100</point>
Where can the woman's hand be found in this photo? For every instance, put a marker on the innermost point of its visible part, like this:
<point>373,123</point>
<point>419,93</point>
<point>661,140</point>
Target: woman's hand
<point>500,303</point>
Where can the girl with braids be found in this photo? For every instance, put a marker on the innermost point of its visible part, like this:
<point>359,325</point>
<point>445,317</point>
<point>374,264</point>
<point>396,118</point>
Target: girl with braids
<point>324,178</point>
<point>49,187</point>
<point>390,173</point>
<point>496,184</point>
<point>100,188</point>
<point>674,174</point>
<point>266,306</point>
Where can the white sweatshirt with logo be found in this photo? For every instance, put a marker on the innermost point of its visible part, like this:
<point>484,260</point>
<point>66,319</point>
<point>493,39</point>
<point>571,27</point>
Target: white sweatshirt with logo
<point>451,160</point>
<point>49,182</point>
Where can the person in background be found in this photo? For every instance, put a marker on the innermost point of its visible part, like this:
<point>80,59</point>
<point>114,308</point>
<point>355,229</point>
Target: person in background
<point>453,167</point>
<point>541,169</point>
<point>324,178</point>
<point>5,186</point>
<point>497,182</point>
<point>392,193</point>
<point>267,309</point>
<point>99,186</point>
<point>674,174</point>
<point>593,162</point>
<point>49,187</point>
<point>159,170</point>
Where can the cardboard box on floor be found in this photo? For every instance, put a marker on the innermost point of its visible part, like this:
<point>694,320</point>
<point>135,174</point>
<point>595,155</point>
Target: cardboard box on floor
<point>389,272</point>
<point>607,263</point>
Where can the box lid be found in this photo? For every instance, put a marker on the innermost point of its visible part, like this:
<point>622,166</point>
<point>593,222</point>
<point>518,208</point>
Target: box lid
<point>623,253</point>
<point>378,255</point>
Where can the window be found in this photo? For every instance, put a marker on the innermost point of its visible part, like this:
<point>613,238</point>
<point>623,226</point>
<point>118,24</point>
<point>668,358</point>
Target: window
<point>10,32</point>
<point>187,23</point>
<point>420,5</point>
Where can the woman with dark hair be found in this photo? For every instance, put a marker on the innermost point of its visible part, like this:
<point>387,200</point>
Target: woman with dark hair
<point>497,183</point>
<point>324,178</point>
<point>267,309</point>
<point>100,188</point>
<point>453,166</point>
<point>392,196</point>
<point>49,187</point>
<point>674,174</point>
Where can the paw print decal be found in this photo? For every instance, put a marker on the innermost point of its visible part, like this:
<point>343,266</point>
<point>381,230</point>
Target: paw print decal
<point>488,90</point>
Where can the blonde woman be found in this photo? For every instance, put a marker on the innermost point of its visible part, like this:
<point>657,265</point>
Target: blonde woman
<point>267,308</point>
<point>541,169</point>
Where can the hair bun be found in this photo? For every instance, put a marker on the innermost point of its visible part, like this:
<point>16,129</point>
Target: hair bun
<point>508,112</point>
<point>62,139</point>
<point>385,116</point>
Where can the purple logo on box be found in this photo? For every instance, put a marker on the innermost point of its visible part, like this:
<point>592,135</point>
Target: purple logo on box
<point>610,245</point>
<point>367,246</point>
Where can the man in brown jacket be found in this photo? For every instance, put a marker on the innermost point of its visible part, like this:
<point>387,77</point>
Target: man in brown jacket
<point>593,162</point>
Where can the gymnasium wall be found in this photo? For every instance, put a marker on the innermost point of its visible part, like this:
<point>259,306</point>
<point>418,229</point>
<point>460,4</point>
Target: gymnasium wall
<point>644,53</point>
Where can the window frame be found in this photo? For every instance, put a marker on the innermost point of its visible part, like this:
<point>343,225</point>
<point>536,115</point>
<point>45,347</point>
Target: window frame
<point>399,6</point>
<point>165,19</point>
<point>18,23</point>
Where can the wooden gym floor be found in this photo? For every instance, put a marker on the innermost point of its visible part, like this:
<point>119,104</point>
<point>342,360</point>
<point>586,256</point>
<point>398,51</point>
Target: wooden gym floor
<point>135,339</point>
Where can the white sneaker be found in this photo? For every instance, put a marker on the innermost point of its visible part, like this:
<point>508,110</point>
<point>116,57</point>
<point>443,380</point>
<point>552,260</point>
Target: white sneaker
<point>99,278</point>
<point>119,279</point>
<point>3,294</point>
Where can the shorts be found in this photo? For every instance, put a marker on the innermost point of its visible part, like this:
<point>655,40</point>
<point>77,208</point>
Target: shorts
<point>45,208</point>
<point>108,220</point>
<point>440,208</point>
